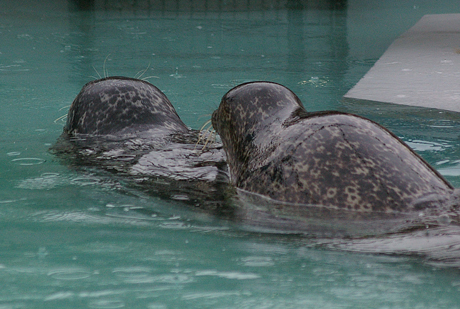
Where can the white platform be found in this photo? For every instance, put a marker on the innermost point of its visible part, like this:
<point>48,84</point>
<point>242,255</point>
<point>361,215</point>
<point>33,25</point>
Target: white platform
<point>420,68</point>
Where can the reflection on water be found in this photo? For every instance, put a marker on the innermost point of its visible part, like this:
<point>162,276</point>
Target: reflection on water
<point>440,246</point>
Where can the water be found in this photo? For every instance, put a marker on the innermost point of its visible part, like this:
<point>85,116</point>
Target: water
<point>82,239</point>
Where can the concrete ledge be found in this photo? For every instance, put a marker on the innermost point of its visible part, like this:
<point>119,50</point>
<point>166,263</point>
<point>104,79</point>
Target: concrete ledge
<point>420,68</point>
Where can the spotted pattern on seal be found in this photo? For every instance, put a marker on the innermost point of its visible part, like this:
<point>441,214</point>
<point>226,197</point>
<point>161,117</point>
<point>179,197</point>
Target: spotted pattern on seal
<point>128,126</point>
<point>276,148</point>
<point>118,104</point>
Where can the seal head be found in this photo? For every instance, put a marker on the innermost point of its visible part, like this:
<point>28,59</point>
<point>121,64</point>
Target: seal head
<point>248,120</point>
<point>116,105</point>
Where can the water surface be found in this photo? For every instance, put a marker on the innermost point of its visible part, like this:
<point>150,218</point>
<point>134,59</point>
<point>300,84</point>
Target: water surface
<point>81,239</point>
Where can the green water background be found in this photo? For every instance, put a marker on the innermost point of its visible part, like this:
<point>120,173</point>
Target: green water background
<point>73,239</point>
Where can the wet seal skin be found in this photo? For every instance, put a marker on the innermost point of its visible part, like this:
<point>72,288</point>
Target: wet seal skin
<point>120,105</point>
<point>334,160</point>
<point>129,127</point>
<point>278,167</point>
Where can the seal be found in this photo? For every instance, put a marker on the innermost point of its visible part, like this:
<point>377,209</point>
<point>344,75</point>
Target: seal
<point>294,171</point>
<point>129,127</point>
<point>275,148</point>
<point>121,106</point>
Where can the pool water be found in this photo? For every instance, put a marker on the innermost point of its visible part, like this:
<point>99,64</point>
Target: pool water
<point>73,238</point>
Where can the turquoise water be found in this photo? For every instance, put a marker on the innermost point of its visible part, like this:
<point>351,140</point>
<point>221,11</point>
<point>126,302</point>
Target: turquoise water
<point>80,239</point>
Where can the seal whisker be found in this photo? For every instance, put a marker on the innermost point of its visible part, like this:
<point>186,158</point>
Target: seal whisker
<point>104,68</point>
<point>67,106</point>
<point>141,72</point>
<point>205,128</point>
<point>96,73</point>
<point>146,78</point>
<point>212,135</point>
<point>200,135</point>
<point>205,124</point>
<point>60,118</point>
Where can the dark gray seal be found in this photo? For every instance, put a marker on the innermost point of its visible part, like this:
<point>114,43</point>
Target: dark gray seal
<point>129,127</point>
<point>277,149</point>
<point>120,106</point>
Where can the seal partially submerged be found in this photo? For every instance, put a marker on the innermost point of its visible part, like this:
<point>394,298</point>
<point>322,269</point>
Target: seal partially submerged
<point>295,170</point>
<point>335,160</point>
<point>120,106</point>
<point>129,126</point>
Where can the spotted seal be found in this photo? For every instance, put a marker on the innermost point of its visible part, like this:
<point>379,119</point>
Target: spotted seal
<point>129,127</point>
<point>120,106</point>
<point>277,149</point>
<point>271,148</point>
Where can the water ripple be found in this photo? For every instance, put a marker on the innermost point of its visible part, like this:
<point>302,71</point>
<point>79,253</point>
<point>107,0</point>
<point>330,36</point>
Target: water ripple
<point>210,295</point>
<point>28,161</point>
<point>44,182</point>
<point>106,304</point>
<point>227,274</point>
<point>257,261</point>
<point>59,296</point>
<point>69,274</point>
<point>134,274</point>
